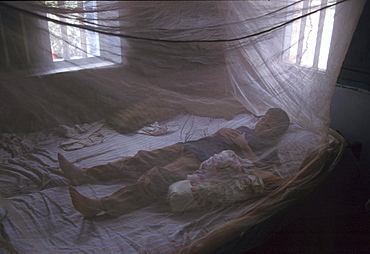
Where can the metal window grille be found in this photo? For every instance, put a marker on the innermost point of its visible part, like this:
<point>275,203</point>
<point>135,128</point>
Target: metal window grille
<point>307,40</point>
<point>69,43</point>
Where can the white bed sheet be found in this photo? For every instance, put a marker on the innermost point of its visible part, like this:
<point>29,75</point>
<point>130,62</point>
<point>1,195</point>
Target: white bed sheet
<point>37,214</point>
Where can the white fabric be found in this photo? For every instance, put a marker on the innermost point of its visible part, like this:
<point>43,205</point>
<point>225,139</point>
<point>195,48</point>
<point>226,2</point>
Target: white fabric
<point>193,54</point>
<point>223,179</point>
<point>156,129</point>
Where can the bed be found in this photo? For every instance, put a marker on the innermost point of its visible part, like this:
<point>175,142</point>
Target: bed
<point>37,215</point>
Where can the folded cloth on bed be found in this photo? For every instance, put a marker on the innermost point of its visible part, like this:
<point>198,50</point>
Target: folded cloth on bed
<point>222,179</point>
<point>81,136</point>
<point>157,129</point>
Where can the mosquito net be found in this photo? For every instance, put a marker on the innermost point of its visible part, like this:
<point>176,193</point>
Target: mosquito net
<point>131,64</point>
<point>263,53</point>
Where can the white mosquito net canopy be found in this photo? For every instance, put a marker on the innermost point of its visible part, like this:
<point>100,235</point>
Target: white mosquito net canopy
<point>133,63</point>
<point>265,54</point>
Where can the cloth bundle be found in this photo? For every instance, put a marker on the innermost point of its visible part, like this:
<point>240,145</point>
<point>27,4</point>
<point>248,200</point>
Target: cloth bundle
<point>222,179</point>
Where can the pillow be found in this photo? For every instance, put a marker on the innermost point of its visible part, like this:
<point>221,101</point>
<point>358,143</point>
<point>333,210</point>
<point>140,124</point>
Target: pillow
<point>140,114</point>
<point>294,148</point>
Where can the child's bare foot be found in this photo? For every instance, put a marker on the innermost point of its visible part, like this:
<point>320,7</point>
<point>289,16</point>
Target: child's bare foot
<point>74,174</point>
<point>86,206</point>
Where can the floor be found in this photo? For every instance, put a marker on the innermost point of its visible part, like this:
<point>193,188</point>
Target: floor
<point>333,219</point>
<point>347,234</point>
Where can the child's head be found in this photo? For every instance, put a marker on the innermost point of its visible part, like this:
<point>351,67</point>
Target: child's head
<point>273,124</point>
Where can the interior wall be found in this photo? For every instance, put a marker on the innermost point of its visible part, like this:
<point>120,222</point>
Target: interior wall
<point>153,57</point>
<point>356,66</point>
<point>350,111</point>
<point>350,115</point>
<point>42,102</point>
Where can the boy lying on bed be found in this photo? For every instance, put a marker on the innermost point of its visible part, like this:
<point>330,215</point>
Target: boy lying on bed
<point>162,167</point>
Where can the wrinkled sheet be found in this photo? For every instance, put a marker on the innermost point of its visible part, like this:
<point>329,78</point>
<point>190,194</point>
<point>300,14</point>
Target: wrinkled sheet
<point>36,212</point>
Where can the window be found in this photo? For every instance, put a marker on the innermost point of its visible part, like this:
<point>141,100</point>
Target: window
<point>69,42</point>
<point>74,48</point>
<point>316,31</point>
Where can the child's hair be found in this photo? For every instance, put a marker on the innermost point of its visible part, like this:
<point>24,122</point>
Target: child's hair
<point>281,118</point>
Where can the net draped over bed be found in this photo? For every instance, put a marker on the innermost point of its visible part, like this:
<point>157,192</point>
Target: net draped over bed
<point>100,80</point>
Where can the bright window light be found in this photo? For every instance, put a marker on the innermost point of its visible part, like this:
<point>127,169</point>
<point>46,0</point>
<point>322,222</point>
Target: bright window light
<point>307,40</point>
<point>68,42</point>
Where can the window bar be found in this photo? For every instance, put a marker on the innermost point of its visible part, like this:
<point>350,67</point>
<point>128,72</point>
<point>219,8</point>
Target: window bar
<point>302,32</point>
<point>64,34</point>
<point>93,48</point>
<point>80,7</point>
<point>64,42</point>
<point>319,34</point>
<point>288,35</point>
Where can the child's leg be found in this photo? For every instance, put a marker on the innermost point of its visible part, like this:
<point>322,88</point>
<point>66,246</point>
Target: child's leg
<point>150,185</point>
<point>132,167</point>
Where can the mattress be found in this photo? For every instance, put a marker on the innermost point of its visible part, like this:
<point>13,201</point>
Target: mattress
<point>36,211</point>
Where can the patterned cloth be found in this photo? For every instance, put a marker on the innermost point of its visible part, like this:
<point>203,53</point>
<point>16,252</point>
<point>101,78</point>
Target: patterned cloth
<point>225,178</point>
<point>222,179</point>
